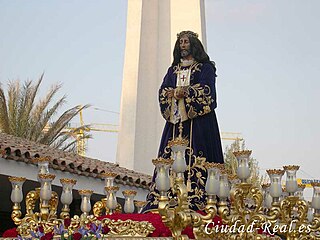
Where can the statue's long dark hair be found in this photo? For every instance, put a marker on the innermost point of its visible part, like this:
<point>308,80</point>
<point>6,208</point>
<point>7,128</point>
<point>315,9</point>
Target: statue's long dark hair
<point>196,49</point>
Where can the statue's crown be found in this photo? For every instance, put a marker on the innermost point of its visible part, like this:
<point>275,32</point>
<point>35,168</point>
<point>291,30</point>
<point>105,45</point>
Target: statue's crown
<point>188,33</point>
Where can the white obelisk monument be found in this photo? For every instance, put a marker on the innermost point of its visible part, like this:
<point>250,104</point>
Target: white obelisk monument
<point>152,27</point>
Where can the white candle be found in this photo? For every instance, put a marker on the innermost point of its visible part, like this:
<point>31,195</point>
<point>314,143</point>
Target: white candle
<point>66,197</point>
<point>45,191</point>
<point>291,186</point>
<point>310,214</point>
<point>85,204</point>
<point>275,189</point>
<point>109,182</point>
<point>128,205</point>
<point>212,184</point>
<point>16,195</point>
<point>179,165</point>
<point>224,188</point>
<point>112,201</point>
<point>316,201</point>
<point>162,179</point>
<point>243,172</point>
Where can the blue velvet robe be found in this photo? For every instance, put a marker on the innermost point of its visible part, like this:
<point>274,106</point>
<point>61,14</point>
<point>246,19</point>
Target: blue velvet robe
<point>199,104</point>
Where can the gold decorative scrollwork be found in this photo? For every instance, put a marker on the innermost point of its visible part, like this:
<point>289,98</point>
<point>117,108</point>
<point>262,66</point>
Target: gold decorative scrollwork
<point>53,203</point>
<point>31,199</point>
<point>128,228</point>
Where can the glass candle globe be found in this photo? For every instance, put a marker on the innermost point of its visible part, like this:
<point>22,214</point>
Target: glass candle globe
<point>212,184</point>
<point>85,201</point>
<point>45,189</point>
<point>67,186</point>
<point>315,203</point>
<point>275,176</point>
<point>243,170</point>
<point>16,193</point>
<point>162,179</point>
<point>128,201</point>
<point>291,180</point>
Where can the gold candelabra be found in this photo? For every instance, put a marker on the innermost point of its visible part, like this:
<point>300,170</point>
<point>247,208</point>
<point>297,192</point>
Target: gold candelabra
<point>246,211</point>
<point>47,200</point>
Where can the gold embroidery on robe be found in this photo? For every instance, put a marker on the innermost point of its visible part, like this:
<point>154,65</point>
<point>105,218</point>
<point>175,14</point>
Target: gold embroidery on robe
<point>163,99</point>
<point>200,95</point>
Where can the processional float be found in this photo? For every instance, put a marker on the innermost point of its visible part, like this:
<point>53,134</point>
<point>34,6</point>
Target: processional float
<point>246,211</point>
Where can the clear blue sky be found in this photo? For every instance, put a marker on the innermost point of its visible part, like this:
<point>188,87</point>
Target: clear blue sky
<point>267,55</point>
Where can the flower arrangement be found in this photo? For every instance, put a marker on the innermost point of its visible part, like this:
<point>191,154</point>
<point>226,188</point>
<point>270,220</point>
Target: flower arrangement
<point>91,231</point>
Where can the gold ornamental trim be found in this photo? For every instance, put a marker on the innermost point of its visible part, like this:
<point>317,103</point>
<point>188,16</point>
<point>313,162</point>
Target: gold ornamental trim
<point>232,177</point>
<point>111,188</point>
<point>41,159</point>
<point>242,153</point>
<point>164,161</point>
<point>68,180</point>
<point>209,165</point>
<point>178,141</point>
<point>224,171</point>
<point>16,179</point>
<point>108,174</point>
<point>275,171</point>
<point>315,184</point>
<point>291,167</point>
<point>129,192</point>
<point>301,185</point>
<point>140,203</point>
<point>46,176</point>
<point>127,228</point>
<point>265,185</point>
<point>85,191</point>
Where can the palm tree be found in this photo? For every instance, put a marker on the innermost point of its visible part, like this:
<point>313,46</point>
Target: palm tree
<point>22,116</point>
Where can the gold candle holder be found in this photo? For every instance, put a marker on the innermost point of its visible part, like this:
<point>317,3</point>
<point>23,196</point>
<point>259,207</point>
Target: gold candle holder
<point>243,170</point>
<point>128,201</point>
<point>291,180</point>
<point>275,176</point>
<point>45,193</point>
<point>85,203</point>
<point>140,205</point>
<point>111,199</point>
<point>16,197</point>
<point>66,196</point>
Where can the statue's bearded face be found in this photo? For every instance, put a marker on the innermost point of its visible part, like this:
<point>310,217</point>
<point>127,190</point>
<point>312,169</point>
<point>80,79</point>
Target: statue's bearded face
<point>184,46</point>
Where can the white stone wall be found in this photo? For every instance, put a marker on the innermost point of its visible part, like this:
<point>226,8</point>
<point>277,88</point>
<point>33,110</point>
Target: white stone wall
<point>21,169</point>
<point>152,26</point>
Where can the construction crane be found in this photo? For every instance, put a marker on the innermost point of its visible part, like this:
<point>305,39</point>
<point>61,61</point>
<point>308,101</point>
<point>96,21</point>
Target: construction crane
<point>113,128</point>
<point>231,136</point>
<point>97,127</point>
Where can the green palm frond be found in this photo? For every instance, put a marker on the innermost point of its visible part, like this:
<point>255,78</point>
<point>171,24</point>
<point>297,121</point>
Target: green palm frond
<point>13,100</point>
<point>29,95</point>
<point>40,114</point>
<point>21,115</point>
<point>42,120</point>
<point>60,124</point>
<point>4,120</point>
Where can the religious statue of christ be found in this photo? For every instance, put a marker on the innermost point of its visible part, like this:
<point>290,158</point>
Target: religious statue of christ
<point>188,96</point>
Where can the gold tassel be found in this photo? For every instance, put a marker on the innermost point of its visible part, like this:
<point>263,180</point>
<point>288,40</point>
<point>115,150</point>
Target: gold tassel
<point>189,166</point>
<point>189,183</point>
<point>171,179</point>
